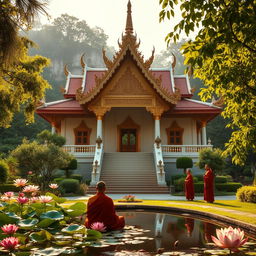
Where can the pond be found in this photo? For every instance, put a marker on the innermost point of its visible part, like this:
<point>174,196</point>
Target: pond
<point>175,235</point>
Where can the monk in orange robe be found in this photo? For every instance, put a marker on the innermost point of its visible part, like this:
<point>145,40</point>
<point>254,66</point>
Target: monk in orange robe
<point>100,208</point>
<point>189,186</point>
<point>208,185</point>
<point>189,224</point>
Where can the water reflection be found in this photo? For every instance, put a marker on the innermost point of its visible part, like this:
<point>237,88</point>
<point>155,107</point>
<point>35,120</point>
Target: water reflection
<point>167,231</point>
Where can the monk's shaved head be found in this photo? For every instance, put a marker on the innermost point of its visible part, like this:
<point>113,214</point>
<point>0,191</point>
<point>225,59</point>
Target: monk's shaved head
<point>101,186</point>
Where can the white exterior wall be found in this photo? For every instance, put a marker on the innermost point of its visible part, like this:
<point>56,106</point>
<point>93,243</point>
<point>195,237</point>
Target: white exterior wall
<point>68,125</point>
<point>117,116</point>
<point>141,117</point>
<point>189,126</point>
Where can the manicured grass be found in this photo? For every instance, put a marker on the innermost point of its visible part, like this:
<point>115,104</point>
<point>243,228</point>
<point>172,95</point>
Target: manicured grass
<point>220,207</point>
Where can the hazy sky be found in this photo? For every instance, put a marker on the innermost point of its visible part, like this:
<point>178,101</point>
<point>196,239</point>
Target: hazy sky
<point>111,16</point>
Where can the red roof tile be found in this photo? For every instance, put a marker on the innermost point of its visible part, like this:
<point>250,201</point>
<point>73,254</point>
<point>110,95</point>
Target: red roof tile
<point>90,78</point>
<point>181,83</point>
<point>74,84</point>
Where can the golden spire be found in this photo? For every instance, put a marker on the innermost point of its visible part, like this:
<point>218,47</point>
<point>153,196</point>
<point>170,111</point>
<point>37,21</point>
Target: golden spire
<point>129,26</point>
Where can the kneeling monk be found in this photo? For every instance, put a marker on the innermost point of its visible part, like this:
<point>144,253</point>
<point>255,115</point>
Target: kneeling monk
<point>100,208</point>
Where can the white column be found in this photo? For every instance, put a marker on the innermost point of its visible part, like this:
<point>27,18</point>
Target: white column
<point>204,140</point>
<point>199,137</point>
<point>157,127</point>
<point>99,126</point>
<point>53,129</point>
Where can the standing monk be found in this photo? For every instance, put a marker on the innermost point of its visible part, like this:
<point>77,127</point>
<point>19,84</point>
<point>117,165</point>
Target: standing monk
<point>208,185</point>
<point>189,186</point>
<point>100,208</point>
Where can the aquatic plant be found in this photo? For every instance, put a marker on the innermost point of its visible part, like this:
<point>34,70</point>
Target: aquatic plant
<point>231,238</point>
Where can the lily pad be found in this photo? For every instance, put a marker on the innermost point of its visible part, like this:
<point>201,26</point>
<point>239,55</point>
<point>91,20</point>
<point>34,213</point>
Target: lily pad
<point>27,223</point>
<point>45,223</point>
<point>53,215</point>
<point>74,228</point>
<point>41,236</point>
<point>49,251</point>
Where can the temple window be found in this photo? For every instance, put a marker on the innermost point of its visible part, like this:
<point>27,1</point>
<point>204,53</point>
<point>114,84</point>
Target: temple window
<point>175,134</point>
<point>82,134</point>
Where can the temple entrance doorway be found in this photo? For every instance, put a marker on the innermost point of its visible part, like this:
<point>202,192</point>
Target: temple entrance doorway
<point>128,140</point>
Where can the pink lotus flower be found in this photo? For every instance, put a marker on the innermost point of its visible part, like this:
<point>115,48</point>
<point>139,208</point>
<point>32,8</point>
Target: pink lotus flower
<point>10,243</point>
<point>21,194</point>
<point>9,194</point>
<point>9,229</point>
<point>229,238</point>
<point>5,198</point>
<point>20,182</point>
<point>45,199</point>
<point>22,200</point>
<point>53,186</point>
<point>30,173</point>
<point>99,226</point>
<point>33,199</point>
<point>30,189</point>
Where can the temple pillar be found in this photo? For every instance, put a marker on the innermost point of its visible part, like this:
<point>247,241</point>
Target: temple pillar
<point>204,139</point>
<point>53,128</point>
<point>99,127</point>
<point>157,127</point>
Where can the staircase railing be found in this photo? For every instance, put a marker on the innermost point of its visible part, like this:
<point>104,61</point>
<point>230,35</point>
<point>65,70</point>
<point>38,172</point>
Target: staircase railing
<point>159,162</point>
<point>97,161</point>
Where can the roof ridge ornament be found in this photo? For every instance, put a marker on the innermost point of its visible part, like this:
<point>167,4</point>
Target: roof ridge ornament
<point>174,61</point>
<point>83,64</point>
<point>129,26</point>
<point>66,71</point>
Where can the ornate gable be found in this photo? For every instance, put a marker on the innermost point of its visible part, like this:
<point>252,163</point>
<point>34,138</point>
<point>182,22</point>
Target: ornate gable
<point>128,49</point>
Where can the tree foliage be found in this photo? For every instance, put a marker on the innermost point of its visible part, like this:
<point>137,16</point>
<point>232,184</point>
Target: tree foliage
<point>223,55</point>
<point>21,84</point>
<point>184,163</point>
<point>3,171</point>
<point>46,137</point>
<point>213,158</point>
<point>41,159</point>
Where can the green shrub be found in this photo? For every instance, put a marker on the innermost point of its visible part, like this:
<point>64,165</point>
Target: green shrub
<point>58,180</point>
<point>199,187</point>
<point>72,165</point>
<point>184,163</point>
<point>8,187</point>
<point>3,171</point>
<point>88,182</point>
<point>199,177</point>
<point>221,179</point>
<point>228,187</point>
<point>77,177</point>
<point>247,194</point>
<point>70,185</point>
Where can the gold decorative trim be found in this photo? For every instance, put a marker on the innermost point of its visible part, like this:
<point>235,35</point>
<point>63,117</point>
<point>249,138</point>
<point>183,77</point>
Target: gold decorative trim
<point>66,71</point>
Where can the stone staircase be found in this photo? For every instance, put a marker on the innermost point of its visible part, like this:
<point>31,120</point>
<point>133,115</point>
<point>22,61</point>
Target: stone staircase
<point>129,173</point>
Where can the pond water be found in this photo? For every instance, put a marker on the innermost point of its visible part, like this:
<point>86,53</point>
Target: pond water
<point>149,231</point>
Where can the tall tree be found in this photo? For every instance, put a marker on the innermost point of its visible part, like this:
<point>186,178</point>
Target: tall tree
<point>21,83</point>
<point>223,55</point>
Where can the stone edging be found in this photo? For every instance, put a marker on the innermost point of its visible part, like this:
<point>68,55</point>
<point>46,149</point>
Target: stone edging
<point>215,218</point>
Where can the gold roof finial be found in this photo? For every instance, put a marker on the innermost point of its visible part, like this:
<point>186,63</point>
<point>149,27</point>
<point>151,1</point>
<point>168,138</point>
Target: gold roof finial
<point>129,26</point>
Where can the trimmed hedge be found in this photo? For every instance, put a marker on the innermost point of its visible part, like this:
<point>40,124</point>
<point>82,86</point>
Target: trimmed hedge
<point>200,177</point>
<point>58,180</point>
<point>70,185</point>
<point>77,177</point>
<point>228,187</point>
<point>221,179</point>
<point>8,187</point>
<point>246,194</point>
<point>199,186</point>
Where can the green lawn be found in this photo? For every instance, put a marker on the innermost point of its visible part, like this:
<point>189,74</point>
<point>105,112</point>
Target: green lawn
<point>220,207</point>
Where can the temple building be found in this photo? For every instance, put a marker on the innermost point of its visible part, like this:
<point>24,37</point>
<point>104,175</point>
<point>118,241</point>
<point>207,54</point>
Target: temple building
<point>127,123</point>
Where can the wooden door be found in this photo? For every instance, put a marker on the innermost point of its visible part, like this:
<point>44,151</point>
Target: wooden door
<point>128,140</point>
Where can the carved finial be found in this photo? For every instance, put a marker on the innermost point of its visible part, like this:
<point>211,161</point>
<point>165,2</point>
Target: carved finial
<point>82,61</point>
<point>150,60</point>
<point>129,26</point>
<point>174,61</point>
<point>66,71</point>
<point>106,60</point>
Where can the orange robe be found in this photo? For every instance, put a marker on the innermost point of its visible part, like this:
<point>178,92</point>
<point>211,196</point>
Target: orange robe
<point>209,186</point>
<point>189,187</point>
<point>100,208</point>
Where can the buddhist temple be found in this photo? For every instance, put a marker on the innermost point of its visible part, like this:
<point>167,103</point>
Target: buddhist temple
<point>127,123</point>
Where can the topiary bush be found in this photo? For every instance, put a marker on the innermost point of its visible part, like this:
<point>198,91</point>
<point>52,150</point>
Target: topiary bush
<point>228,187</point>
<point>184,163</point>
<point>77,177</point>
<point>3,171</point>
<point>58,180</point>
<point>70,185</point>
<point>246,194</point>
